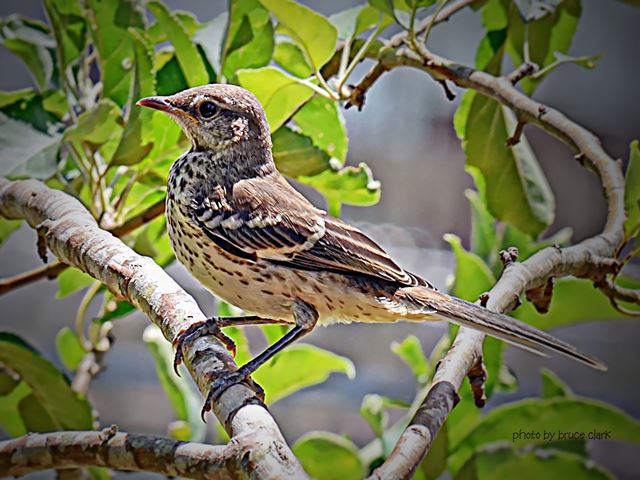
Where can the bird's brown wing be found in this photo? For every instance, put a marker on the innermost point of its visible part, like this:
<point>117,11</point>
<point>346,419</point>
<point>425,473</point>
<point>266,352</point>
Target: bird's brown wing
<point>266,218</point>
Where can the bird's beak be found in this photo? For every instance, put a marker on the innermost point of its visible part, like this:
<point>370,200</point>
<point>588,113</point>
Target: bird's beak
<point>161,103</point>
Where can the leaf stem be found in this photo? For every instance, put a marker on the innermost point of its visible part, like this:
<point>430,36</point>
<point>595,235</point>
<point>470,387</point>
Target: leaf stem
<point>359,56</point>
<point>82,313</point>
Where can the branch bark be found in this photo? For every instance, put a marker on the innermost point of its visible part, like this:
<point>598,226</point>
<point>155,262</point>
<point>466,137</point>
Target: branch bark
<point>72,234</point>
<point>120,451</point>
<point>590,258</point>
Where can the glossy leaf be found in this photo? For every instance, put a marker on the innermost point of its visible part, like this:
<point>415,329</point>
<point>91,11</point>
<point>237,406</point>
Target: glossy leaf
<point>67,410</point>
<point>26,152</point>
<point>632,191</point>
<point>69,348</point>
<point>327,456</point>
<point>507,462</point>
<point>280,94</point>
<point>560,414</point>
<point>311,31</point>
<point>111,37</point>
<point>136,141</point>
<point>185,401</point>
<point>349,185</point>
<point>295,155</point>
<point>313,366</point>
<point>290,57</point>
<point>517,191</point>
<point>410,352</point>
<point>249,40</point>
<point>72,280</point>
<point>321,119</point>
<point>187,53</point>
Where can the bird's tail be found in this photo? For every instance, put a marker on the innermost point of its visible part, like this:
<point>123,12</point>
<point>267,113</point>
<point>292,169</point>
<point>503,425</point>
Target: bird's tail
<point>495,324</point>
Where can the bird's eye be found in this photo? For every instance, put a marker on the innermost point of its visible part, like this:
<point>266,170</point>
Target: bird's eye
<point>207,109</point>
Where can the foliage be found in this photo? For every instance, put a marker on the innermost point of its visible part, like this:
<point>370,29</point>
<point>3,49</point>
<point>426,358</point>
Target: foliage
<point>78,129</point>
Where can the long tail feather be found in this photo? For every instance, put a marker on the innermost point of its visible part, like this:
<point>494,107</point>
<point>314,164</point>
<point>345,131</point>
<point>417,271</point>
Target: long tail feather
<point>497,325</point>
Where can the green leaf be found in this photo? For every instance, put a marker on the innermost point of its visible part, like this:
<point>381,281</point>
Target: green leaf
<point>321,119</point>
<point>26,152</point>
<point>374,410</point>
<point>109,29</point>
<point>290,57</point>
<point>472,276</point>
<point>313,366</point>
<point>96,126</point>
<point>70,29</point>
<point>483,234</point>
<point>574,301</point>
<point>8,382</point>
<point>187,53</point>
<point>327,456</point>
<point>31,109</point>
<point>349,186</point>
<point>72,280</point>
<point>295,154</point>
<point>632,191</point>
<point>553,386</point>
<point>280,94</point>
<point>7,227</point>
<point>356,20</point>
<point>249,41</point>
<point>517,191</point>
<point>36,57</point>
<point>69,348</point>
<point>211,37</point>
<point>507,462</point>
<point>311,31</point>
<point>136,141</point>
<point>559,415</point>
<point>35,416</point>
<point>184,400</point>
<point>67,409</point>
<point>10,419</point>
<point>410,352</point>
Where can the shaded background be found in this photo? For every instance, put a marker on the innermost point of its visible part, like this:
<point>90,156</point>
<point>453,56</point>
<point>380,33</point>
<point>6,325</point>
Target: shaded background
<point>405,134</point>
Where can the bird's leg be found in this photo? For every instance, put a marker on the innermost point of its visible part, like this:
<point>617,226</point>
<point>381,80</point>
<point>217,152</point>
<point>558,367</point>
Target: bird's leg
<point>213,326</point>
<point>305,316</point>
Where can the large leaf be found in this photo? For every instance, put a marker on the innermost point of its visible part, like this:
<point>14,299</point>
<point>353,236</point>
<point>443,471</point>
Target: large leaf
<point>26,152</point>
<point>295,154</point>
<point>96,126</point>
<point>632,191</point>
<point>327,456</point>
<point>67,409</point>
<point>507,462</point>
<point>313,366</point>
<point>187,53</point>
<point>356,20</point>
<point>314,33</point>
<point>72,280</point>
<point>349,185</point>
<point>280,94</point>
<point>185,401</point>
<point>109,29</point>
<point>249,40</point>
<point>483,232</point>
<point>70,29</point>
<point>136,141</point>
<point>517,191</point>
<point>291,57</point>
<point>10,420</point>
<point>321,119</point>
<point>528,421</point>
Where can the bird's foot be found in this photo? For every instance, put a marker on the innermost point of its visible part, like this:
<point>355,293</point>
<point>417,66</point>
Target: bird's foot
<point>211,326</point>
<point>220,385</point>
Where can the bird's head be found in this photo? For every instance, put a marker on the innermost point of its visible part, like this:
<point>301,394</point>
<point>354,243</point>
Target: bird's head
<point>216,116</point>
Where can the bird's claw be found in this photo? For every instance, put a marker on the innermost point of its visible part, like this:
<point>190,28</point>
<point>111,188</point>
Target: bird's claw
<point>199,329</point>
<point>220,385</point>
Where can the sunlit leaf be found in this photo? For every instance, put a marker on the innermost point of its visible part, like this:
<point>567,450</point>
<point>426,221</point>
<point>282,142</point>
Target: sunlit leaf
<point>72,280</point>
<point>327,456</point>
<point>321,119</point>
<point>553,386</point>
<point>70,29</point>
<point>314,33</point>
<point>280,94</point>
<point>69,349</point>
<point>410,352</point>
<point>290,57</point>
<point>313,366</point>
<point>295,155</point>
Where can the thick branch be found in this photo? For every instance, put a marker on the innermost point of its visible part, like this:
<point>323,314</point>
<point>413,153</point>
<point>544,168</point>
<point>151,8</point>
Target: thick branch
<point>589,258</point>
<point>120,451</point>
<point>55,268</point>
<point>72,234</point>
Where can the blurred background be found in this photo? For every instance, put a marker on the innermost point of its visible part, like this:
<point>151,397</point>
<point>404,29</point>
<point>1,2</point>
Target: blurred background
<point>405,134</point>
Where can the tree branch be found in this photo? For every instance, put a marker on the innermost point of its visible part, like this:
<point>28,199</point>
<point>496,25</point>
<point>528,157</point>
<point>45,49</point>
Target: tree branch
<point>591,258</point>
<point>55,268</point>
<point>73,235</point>
<point>120,451</point>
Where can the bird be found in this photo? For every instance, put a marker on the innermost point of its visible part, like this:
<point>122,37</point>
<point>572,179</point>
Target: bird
<point>254,241</point>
